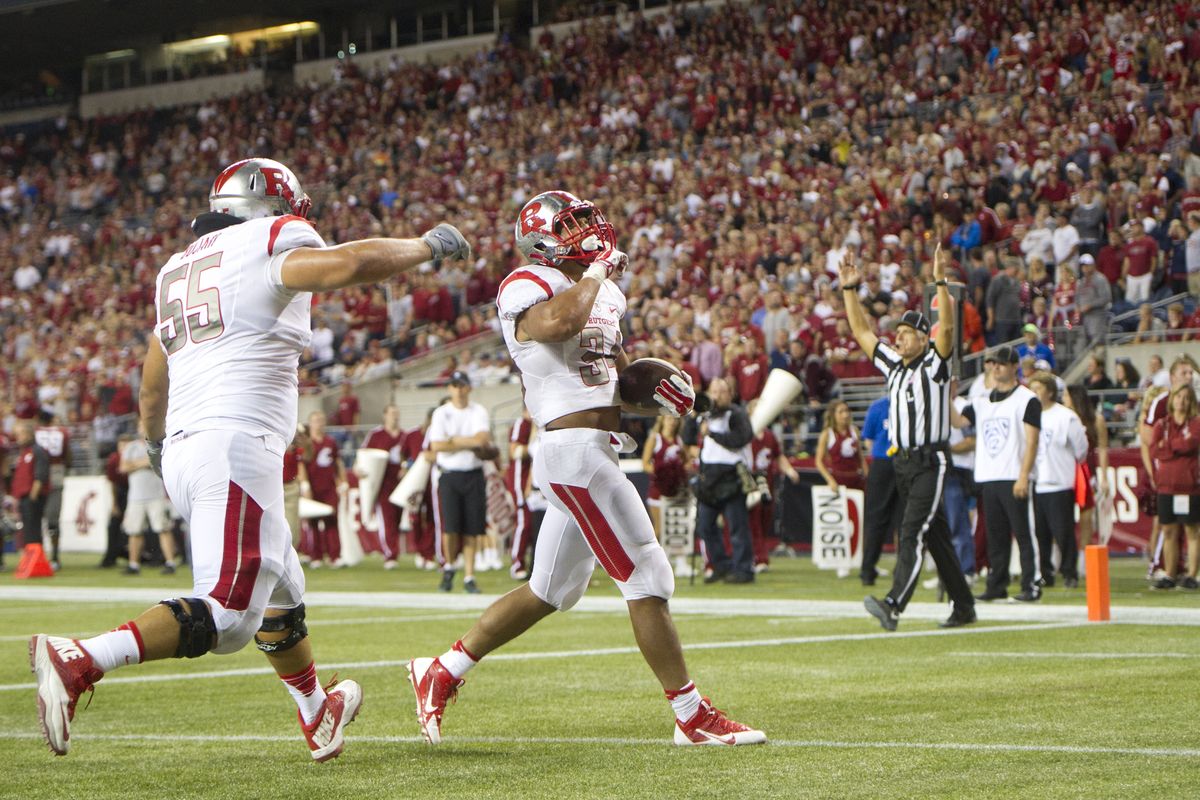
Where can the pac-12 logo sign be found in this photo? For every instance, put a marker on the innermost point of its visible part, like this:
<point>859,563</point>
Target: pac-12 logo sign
<point>530,220</point>
<point>995,434</point>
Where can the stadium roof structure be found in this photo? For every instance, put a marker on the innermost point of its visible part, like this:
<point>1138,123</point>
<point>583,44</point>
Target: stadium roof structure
<point>55,37</point>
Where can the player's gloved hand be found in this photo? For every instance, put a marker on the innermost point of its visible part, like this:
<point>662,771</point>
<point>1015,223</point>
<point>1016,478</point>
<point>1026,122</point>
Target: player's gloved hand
<point>676,395</point>
<point>609,264</point>
<point>445,242</point>
<point>154,450</point>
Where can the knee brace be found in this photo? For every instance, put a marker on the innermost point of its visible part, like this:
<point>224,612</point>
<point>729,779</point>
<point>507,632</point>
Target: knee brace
<point>197,630</point>
<point>293,619</point>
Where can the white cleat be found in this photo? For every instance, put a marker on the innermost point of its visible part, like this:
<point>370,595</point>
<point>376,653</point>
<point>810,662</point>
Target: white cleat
<point>326,734</point>
<point>64,671</point>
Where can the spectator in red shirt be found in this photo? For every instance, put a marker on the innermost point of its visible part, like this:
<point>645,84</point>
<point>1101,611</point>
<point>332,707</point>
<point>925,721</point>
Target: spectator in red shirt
<point>1110,261</point>
<point>750,369</point>
<point>389,437</point>
<point>1142,262</point>
<point>419,514</point>
<point>294,475</point>
<point>326,482</point>
<point>30,479</point>
<point>347,412</point>
<point>1175,442</point>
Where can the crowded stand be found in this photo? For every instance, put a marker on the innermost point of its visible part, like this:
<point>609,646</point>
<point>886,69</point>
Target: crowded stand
<point>1052,149</point>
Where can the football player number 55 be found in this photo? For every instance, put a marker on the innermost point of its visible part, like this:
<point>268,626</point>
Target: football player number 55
<point>185,310</point>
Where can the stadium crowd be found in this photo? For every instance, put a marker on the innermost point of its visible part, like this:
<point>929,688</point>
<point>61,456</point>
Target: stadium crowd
<point>1054,148</point>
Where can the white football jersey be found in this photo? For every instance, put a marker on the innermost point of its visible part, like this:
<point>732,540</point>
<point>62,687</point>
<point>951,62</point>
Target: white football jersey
<point>562,377</point>
<point>231,331</point>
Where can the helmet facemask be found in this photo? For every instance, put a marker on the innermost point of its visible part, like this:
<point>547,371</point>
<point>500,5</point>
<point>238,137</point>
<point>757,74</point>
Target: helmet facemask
<point>556,226</point>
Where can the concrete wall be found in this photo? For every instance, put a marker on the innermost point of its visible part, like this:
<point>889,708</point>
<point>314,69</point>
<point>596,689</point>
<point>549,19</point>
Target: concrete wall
<point>23,116</point>
<point>167,95</point>
<point>437,52</point>
<point>1140,354</point>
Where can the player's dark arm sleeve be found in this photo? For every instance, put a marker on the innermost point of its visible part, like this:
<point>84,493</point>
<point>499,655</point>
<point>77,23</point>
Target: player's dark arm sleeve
<point>41,466</point>
<point>691,430</point>
<point>1033,413</point>
<point>969,412</point>
<point>740,433</point>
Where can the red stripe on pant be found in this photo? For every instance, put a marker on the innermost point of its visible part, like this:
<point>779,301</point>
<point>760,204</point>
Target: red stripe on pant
<point>241,556</point>
<point>596,530</point>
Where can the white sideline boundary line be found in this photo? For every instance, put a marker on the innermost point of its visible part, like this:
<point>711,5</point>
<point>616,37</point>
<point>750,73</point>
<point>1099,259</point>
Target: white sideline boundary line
<point>591,652</point>
<point>1162,752</point>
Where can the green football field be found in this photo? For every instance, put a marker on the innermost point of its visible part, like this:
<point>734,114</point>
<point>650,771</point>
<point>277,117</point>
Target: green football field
<point>1030,701</point>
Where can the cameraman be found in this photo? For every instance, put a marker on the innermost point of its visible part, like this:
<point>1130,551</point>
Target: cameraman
<point>721,489</point>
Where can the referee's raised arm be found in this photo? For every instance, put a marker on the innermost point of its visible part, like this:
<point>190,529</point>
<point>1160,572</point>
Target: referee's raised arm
<point>850,279</point>
<point>944,341</point>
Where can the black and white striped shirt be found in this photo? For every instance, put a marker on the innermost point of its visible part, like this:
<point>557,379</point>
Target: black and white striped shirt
<point>920,397</point>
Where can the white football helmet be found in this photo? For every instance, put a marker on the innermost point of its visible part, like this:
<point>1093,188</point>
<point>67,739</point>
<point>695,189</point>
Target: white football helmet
<point>258,187</point>
<point>555,227</point>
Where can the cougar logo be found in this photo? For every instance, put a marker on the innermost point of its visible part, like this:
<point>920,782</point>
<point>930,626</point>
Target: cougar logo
<point>530,221</point>
<point>995,434</point>
<point>325,457</point>
<point>83,519</point>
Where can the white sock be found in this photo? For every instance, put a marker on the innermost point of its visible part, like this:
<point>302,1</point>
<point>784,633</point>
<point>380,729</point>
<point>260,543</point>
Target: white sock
<point>457,660</point>
<point>685,702</point>
<point>114,649</point>
<point>305,690</point>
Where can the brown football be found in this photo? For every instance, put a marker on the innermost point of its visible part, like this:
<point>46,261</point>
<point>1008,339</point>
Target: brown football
<point>638,382</point>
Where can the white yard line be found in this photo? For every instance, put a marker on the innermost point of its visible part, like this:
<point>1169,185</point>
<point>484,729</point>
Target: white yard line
<point>717,606</point>
<point>590,652</point>
<point>989,747</point>
<point>1068,654</point>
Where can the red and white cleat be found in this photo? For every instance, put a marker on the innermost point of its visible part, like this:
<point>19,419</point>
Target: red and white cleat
<point>711,726</point>
<point>326,734</point>
<point>434,686</point>
<point>64,671</point>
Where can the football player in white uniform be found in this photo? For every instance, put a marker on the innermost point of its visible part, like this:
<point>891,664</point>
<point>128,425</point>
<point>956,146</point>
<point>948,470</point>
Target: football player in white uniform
<point>561,320</point>
<point>218,401</point>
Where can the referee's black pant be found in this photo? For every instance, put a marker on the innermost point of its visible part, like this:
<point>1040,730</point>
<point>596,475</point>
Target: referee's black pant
<point>1054,521</point>
<point>1006,518</point>
<point>882,514</point>
<point>920,478</point>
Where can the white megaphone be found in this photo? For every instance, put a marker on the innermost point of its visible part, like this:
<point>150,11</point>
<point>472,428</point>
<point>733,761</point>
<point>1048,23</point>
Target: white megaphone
<point>781,389</point>
<point>312,509</point>
<point>369,465</point>
<point>414,481</point>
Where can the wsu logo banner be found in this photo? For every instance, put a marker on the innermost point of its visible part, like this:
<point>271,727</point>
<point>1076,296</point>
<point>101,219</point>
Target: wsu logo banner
<point>87,504</point>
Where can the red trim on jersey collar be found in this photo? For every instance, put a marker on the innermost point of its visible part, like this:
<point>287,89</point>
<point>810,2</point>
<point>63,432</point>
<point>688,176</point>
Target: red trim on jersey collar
<point>277,226</point>
<point>524,275</point>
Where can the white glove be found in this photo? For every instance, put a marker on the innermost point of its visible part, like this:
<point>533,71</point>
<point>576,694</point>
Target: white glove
<point>609,264</point>
<point>446,242</point>
<point>676,395</point>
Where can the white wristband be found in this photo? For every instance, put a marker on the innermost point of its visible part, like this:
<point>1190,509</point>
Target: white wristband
<point>597,271</point>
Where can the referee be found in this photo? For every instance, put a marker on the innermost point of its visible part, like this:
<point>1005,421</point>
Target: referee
<point>918,379</point>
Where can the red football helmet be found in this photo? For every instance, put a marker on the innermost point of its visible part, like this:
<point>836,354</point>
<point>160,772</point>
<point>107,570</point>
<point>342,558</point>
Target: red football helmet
<point>557,226</point>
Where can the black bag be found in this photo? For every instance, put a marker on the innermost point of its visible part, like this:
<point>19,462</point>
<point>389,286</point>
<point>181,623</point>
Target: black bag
<point>718,483</point>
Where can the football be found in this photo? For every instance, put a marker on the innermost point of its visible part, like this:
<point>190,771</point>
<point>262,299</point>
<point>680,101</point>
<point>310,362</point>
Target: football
<point>638,382</point>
